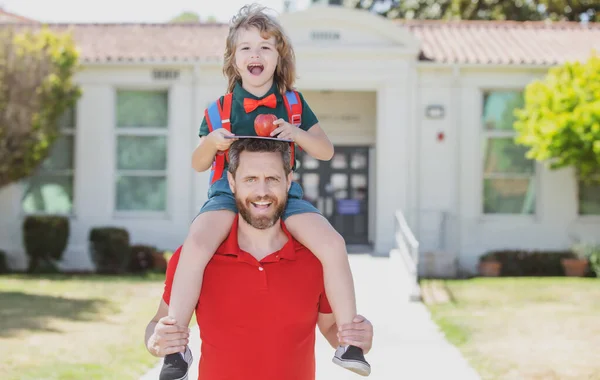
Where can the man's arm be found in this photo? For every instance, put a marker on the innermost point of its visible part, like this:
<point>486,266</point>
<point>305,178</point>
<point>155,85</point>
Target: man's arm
<point>328,328</point>
<point>163,336</point>
<point>359,333</point>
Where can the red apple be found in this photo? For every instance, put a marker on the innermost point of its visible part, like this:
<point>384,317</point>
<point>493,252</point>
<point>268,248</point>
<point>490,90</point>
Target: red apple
<point>263,124</point>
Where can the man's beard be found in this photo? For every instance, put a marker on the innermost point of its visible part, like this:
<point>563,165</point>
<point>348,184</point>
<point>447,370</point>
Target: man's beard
<point>264,221</point>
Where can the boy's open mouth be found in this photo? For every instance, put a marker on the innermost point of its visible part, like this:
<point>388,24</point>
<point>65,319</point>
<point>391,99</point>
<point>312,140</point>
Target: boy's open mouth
<point>255,68</point>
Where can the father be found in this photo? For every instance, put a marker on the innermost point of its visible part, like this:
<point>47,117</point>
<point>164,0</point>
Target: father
<point>263,292</point>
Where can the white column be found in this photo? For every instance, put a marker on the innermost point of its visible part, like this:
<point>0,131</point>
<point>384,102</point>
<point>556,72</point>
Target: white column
<point>10,225</point>
<point>209,86</point>
<point>393,118</point>
<point>94,170</point>
<point>179,168</point>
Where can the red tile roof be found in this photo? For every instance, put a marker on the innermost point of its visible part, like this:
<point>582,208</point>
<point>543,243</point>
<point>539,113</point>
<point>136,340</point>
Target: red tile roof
<point>464,42</point>
<point>508,42</point>
<point>7,17</point>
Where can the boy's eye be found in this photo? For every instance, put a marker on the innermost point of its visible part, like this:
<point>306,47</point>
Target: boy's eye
<point>245,48</point>
<point>266,48</point>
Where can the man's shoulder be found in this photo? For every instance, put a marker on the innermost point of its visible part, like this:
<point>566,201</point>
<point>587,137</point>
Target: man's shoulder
<point>300,248</point>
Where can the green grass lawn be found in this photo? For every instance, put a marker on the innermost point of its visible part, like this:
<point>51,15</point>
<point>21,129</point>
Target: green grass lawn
<point>524,328</point>
<point>76,327</point>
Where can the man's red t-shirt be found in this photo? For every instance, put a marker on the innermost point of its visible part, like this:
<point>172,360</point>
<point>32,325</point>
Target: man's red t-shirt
<point>257,320</point>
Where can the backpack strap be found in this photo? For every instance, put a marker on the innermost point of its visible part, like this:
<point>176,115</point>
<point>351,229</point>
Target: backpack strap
<point>294,108</point>
<point>218,116</point>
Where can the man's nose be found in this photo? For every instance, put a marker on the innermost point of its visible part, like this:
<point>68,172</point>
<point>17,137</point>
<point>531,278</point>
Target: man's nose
<point>262,188</point>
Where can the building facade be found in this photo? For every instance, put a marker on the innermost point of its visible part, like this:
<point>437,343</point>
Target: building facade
<point>419,113</point>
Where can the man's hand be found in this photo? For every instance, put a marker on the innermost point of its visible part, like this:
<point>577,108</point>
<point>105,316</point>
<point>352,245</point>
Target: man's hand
<point>168,338</point>
<point>359,333</point>
<point>218,139</point>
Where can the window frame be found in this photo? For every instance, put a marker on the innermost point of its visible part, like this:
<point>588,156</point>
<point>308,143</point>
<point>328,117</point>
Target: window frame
<point>584,217</point>
<point>141,132</point>
<point>64,130</point>
<point>485,135</point>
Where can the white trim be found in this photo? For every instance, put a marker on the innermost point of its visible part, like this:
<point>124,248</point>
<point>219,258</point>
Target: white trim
<point>325,15</point>
<point>508,175</point>
<point>363,53</point>
<point>140,214</point>
<point>421,64</point>
<point>499,133</point>
<point>143,132</point>
<point>142,173</point>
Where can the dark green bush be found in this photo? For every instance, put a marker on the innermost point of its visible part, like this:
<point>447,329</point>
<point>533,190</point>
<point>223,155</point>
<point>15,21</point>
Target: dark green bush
<point>45,239</point>
<point>517,263</point>
<point>3,262</point>
<point>141,258</point>
<point>109,249</point>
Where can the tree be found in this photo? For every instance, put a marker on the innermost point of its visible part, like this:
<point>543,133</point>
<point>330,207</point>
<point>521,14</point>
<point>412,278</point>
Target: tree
<point>560,121</point>
<point>36,89</point>
<point>186,17</point>
<point>517,10</point>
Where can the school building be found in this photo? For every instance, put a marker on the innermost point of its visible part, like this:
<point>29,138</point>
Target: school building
<point>420,113</point>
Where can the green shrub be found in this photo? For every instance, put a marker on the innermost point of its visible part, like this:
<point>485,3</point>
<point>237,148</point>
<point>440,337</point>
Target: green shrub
<point>45,239</point>
<point>3,262</point>
<point>109,249</point>
<point>517,263</point>
<point>590,252</point>
<point>141,258</point>
<point>595,263</point>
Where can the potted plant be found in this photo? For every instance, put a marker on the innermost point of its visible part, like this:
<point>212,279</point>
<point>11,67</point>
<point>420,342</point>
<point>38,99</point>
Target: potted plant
<point>489,265</point>
<point>577,265</point>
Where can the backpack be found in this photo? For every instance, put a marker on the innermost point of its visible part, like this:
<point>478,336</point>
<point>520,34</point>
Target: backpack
<point>217,116</point>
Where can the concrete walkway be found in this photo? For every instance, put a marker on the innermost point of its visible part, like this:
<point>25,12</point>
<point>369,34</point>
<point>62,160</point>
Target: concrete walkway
<point>407,344</point>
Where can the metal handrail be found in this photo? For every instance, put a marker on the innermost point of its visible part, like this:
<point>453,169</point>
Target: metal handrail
<point>406,239</point>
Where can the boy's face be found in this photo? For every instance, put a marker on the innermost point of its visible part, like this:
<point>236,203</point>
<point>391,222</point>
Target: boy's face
<point>256,60</point>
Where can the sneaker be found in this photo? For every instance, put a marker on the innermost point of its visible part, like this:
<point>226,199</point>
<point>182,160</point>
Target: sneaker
<point>352,358</point>
<point>176,366</point>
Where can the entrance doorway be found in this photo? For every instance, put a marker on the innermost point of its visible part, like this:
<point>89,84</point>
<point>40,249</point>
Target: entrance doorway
<point>339,189</point>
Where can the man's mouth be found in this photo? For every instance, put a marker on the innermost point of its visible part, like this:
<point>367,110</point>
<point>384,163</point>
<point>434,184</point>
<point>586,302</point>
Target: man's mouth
<point>261,205</point>
<point>255,68</point>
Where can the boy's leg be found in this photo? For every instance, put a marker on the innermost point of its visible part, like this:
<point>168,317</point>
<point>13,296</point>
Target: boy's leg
<point>206,234</point>
<point>316,233</point>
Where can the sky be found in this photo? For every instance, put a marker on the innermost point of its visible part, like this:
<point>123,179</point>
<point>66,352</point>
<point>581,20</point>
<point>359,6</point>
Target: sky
<point>85,11</point>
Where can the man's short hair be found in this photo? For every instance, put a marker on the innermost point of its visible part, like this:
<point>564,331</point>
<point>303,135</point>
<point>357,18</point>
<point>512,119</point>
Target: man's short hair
<point>259,145</point>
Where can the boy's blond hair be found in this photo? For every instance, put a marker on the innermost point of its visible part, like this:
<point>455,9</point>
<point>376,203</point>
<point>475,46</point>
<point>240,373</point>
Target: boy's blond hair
<point>254,16</point>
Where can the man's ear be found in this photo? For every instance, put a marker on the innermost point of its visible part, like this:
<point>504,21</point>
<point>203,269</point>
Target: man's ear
<point>231,181</point>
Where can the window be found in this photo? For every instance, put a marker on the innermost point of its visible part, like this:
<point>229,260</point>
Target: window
<point>508,177</point>
<point>50,189</point>
<point>589,196</point>
<point>142,127</point>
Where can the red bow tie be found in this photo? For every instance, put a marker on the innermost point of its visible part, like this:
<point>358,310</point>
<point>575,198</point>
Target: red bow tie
<point>251,104</point>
